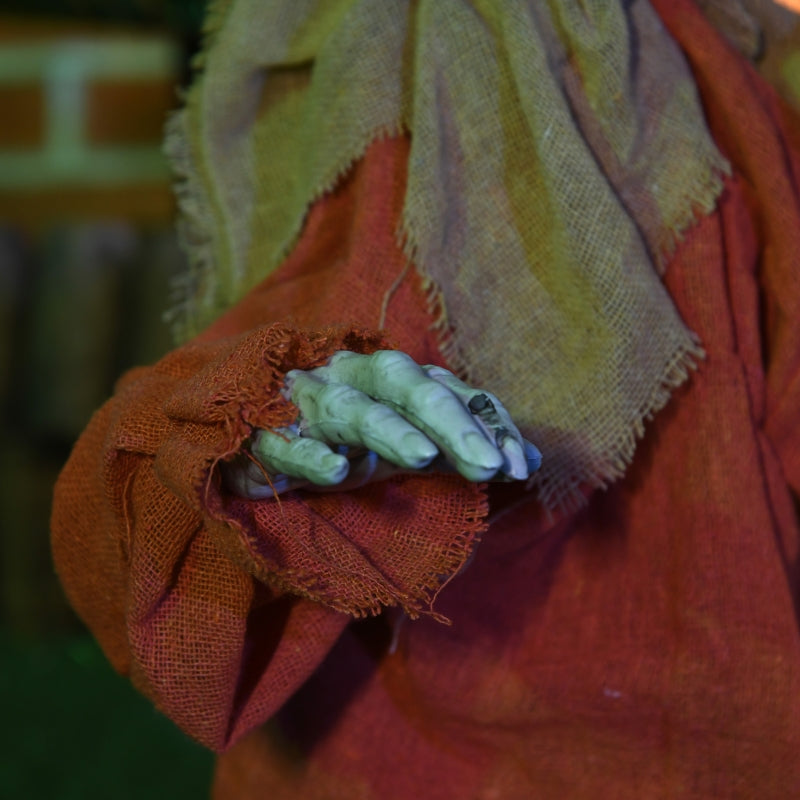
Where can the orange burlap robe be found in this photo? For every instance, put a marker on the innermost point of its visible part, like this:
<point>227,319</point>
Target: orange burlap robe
<point>644,646</point>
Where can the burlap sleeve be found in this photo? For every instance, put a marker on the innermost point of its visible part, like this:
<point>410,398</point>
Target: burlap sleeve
<point>216,606</point>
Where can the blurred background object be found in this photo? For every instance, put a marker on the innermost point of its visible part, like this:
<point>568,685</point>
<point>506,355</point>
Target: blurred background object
<point>85,115</point>
<point>87,253</point>
<point>794,5</point>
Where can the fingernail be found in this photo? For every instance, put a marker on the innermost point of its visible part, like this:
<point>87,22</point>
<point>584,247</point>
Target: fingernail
<point>532,456</point>
<point>417,449</point>
<point>516,465</point>
<point>334,467</point>
<point>482,452</point>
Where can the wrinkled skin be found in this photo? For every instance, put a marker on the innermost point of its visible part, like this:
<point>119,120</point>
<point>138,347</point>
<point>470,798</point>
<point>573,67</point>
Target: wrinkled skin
<point>365,418</point>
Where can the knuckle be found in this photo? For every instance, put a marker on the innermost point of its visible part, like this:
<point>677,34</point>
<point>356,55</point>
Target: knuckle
<point>377,417</point>
<point>302,386</point>
<point>431,393</point>
<point>439,372</point>
<point>332,398</point>
<point>390,360</point>
<point>302,449</point>
<point>340,355</point>
<point>266,442</point>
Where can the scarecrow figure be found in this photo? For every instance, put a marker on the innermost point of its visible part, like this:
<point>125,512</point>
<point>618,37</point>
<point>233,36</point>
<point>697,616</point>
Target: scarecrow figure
<point>472,474</point>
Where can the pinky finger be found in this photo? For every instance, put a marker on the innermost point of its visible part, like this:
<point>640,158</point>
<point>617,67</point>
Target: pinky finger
<point>491,415</point>
<point>284,452</point>
<point>245,477</point>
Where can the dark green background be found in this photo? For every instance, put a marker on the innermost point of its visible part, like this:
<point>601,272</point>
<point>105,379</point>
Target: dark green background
<point>75,730</point>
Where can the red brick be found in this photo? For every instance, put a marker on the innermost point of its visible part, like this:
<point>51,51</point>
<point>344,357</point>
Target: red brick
<point>128,112</point>
<point>23,113</point>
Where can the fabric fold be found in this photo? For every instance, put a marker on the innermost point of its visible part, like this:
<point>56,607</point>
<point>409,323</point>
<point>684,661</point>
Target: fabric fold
<point>587,107</point>
<point>219,608</point>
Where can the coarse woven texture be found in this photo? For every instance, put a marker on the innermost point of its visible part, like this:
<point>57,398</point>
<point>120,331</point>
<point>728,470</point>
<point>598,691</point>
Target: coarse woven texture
<point>165,560</point>
<point>219,608</point>
<point>558,151</point>
<point>643,647</point>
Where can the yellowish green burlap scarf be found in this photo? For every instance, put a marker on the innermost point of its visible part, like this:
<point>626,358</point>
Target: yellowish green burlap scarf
<point>558,149</point>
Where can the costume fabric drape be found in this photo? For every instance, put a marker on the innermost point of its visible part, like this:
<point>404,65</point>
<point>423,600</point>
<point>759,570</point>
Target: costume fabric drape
<point>645,645</point>
<point>558,150</point>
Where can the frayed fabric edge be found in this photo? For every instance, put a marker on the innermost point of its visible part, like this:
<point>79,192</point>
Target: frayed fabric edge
<point>379,594</point>
<point>699,199</point>
<point>567,490</point>
<point>194,228</point>
<point>189,311</point>
<point>193,224</point>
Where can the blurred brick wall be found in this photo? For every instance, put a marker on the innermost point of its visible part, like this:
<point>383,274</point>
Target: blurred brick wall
<point>87,252</point>
<point>83,113</point>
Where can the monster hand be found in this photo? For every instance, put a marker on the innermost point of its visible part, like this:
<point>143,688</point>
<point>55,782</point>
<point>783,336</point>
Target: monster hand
<point>364,418</point>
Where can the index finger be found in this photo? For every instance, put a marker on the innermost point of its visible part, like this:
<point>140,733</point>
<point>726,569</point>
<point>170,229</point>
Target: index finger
<point>395,379</point>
